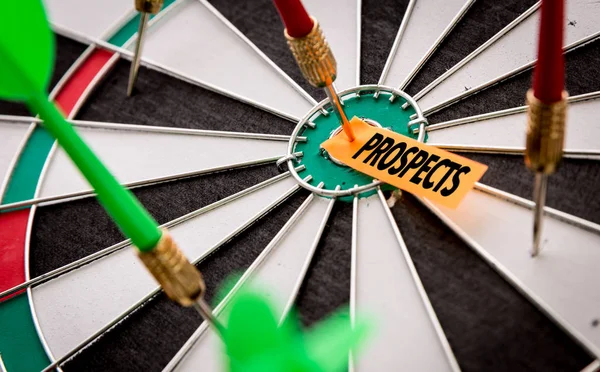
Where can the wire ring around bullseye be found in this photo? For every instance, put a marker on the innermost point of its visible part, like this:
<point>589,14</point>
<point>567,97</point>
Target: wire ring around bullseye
<point>306,119</point>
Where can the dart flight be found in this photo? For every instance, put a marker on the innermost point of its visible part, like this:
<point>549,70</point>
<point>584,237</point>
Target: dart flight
<point>255,341</point>
<point>400,161</point>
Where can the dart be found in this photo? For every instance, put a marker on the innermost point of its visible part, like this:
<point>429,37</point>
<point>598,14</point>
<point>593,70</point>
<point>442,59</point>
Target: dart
<point>313,54</point>
<point>24,76</point>
<point>547,103</point>
<point>145,7</point>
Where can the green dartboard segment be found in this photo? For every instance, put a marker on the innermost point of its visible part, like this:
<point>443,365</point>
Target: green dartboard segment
<point>123,35</point>
<point>20,348</point>
<point>389,115</point>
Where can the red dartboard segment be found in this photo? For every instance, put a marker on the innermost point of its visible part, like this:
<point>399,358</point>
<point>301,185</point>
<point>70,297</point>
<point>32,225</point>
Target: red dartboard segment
<point>12,237</point>
<point>12,243</point>
<point>70,93</point>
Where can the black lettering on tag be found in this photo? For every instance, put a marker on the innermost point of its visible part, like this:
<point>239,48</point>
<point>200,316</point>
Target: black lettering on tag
<point>398,148</point>
<point>452,166</point>
<point>379,150</point>
<point>369,145</point>
<point>415,162</point>
<point>403,160</point>
<point>424,168</point>
<point>427,184</point>
<point>455,181</point>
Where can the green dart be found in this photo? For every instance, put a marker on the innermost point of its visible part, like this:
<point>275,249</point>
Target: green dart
<point>255,342</point>
<point>26,62</point>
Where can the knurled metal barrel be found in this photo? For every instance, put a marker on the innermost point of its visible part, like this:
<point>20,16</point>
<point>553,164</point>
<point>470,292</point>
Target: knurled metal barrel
<point>314,56</point>
<point>180,280</point>
<point>148,6</point>
<point>545,133</point>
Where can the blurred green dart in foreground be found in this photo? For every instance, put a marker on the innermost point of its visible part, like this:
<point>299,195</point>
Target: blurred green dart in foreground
<point>255,342</point>
<point>253,338</point>
<point>26,61</point>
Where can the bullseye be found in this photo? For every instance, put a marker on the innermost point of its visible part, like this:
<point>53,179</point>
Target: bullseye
<point>384,111</point>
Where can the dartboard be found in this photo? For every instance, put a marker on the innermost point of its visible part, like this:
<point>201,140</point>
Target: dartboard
<point>220,141</point>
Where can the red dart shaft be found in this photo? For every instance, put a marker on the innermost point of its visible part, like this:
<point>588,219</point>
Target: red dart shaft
<point>549,75</point>
<point>294,16</point>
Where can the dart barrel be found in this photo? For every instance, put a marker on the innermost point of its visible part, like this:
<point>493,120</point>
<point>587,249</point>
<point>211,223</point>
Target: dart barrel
<point>148,6</point>
<point>180,280</point>
<point>314,56</point>
<point>545,133</point>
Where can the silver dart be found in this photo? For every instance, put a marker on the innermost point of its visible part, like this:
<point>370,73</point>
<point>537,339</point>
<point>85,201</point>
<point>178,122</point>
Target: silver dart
<point>145,7</point>
<point>135,62</point>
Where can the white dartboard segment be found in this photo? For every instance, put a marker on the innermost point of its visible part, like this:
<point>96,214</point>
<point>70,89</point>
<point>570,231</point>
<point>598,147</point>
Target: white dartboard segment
<point>192,41</point>
<point>90,18</point>
<point>426,23</point>
<point>143,155</point>
<point>278,270</point>
<point>339,22</point>
<point>562,280</point>
<point>12,137</point>
<point>582,130</point>
<point>95,294</point>
<point>387,287</point>
<point>513,50</point>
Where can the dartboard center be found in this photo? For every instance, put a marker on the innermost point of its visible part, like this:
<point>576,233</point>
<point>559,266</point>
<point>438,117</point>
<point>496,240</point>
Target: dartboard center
<point>380,107</point>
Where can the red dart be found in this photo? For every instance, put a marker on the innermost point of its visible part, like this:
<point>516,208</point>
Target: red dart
<point>547,110</point>
<point>313,55</point>
<point>549,75</point>
<point>294,16</point>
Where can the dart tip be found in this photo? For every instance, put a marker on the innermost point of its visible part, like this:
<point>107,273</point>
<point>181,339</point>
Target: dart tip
<point>337,105</point>
<point>130,86</point>
<point>135,62</point>
<point>535,249</point>
<point>539,198</point>
<point>207,314</point>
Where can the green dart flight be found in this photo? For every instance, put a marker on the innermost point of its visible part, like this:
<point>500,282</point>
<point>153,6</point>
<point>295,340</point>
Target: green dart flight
<point>255,342</point>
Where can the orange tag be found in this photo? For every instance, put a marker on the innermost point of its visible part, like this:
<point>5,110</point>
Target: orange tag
<point>410,165</point>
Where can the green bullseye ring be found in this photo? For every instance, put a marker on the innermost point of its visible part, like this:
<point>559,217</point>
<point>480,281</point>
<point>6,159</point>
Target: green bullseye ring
<point>390,115</point>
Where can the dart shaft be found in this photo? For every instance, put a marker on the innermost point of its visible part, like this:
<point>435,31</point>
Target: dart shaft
<point>135,63</point>
<point>296,19</point>
<point>539,197</point>
<point>336,104</point>
<point>549,74</point>
<point>146,8</point>
<point>127,212</point>
<point>207,314</point>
